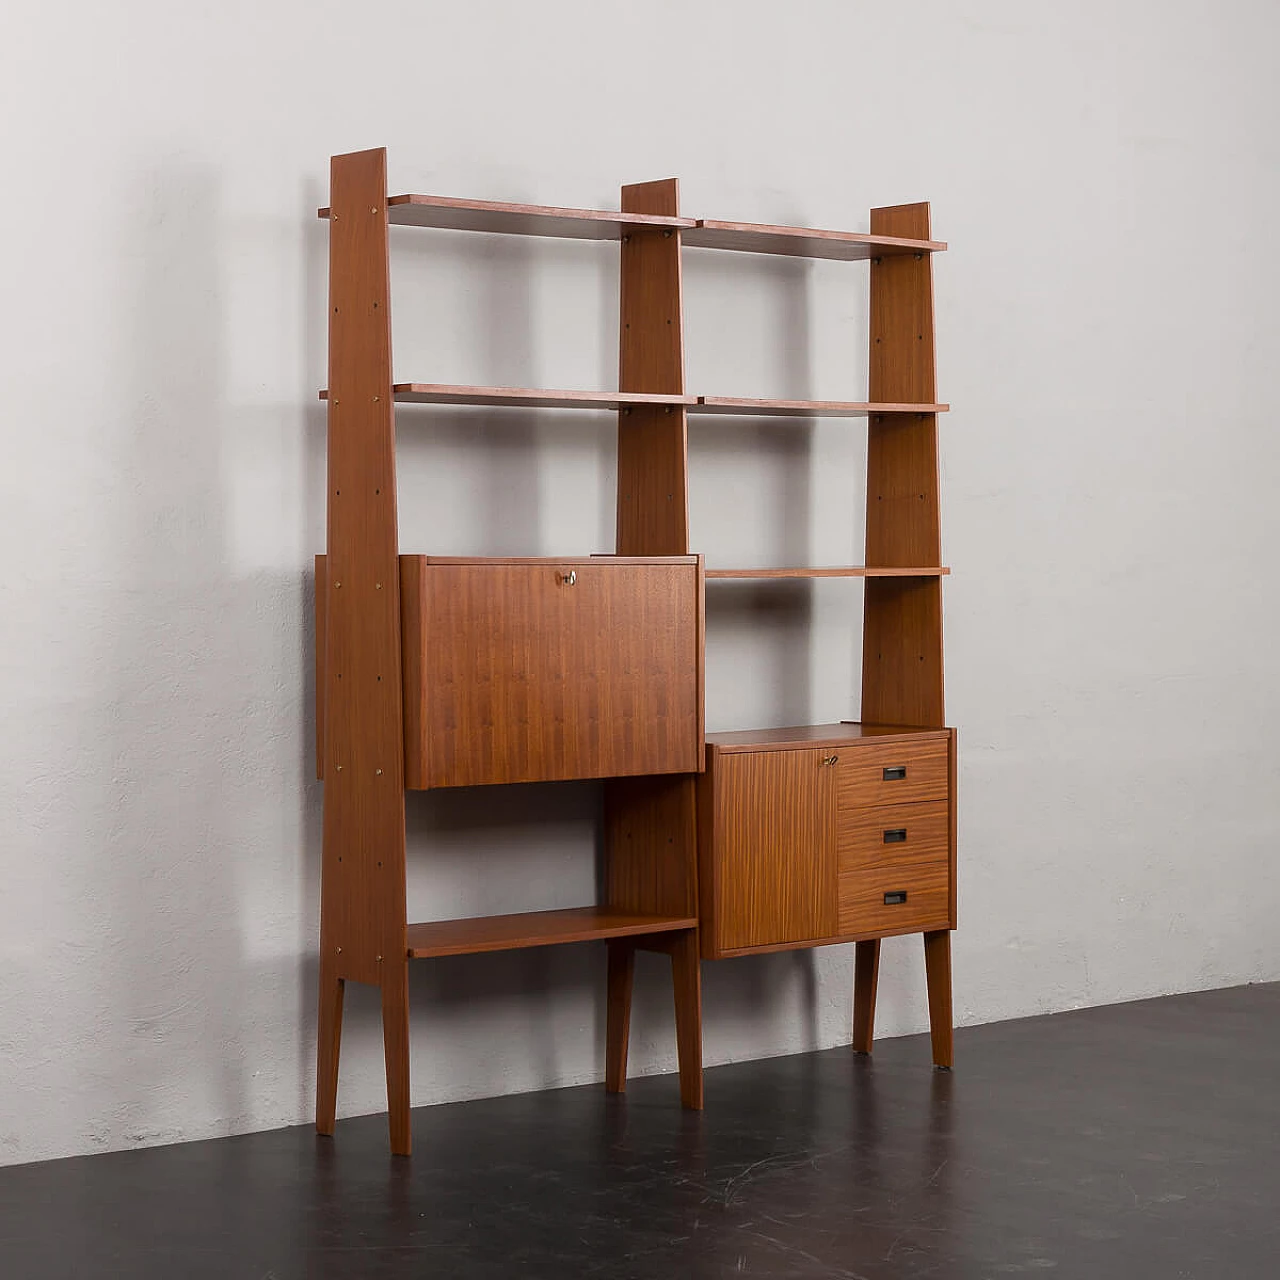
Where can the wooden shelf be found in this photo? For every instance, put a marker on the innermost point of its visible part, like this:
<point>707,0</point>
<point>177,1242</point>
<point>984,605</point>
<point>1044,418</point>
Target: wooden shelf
<point>496,216</point>
<point>832,571</point>
<point>525,397</point>
<point>542,398</point>
<point>803,242</point>
<point>806,408</point>
<point>817,735</point>
<point>534,929</point>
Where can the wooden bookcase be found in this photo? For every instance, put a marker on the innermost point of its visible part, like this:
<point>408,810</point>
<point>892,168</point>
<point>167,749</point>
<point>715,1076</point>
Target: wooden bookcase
<point>450,671</point>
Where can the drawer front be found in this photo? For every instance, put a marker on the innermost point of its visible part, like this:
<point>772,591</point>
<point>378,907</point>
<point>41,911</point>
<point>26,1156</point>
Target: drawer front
<point>883,837</point>
<point>542,670</point>
<point>901,897</point>
<point>894,866</point>
<point>893,772</point>
<point>774,870</point>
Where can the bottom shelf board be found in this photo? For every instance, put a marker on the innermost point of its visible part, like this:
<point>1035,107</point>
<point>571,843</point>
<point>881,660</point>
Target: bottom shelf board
<point>534,929</point>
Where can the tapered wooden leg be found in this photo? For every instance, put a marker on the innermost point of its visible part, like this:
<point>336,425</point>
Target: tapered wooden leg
<point>328,1045</point>
<point>687,976</point>
<point>622,965</point>
<point>866,971</point>
<point>395,1043</point>
<point>937,968</point>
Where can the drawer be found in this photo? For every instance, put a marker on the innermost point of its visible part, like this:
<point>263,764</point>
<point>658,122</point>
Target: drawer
<point>893,772</point>
<point>894,868</point>
<point>902,897</point>
<point>890,834</point>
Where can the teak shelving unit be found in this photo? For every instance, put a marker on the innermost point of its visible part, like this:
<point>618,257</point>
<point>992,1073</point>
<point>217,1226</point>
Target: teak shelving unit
<point>452,671</point>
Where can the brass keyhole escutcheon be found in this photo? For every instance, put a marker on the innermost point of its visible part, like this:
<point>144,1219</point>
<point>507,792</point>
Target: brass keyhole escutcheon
<point>569,578</point>
<point>830,759</point>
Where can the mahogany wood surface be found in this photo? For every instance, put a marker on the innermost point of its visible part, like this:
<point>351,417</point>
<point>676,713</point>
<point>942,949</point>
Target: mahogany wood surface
<point>503,217</point>
<point>866,974</point>
<point>533,929</point>
<point>362,921</point>
<point>538,670</point>
<point>902,650</point>
<point>833,571</point>
<point>740,407</point>
<point>862,893</point>
<point>621,977</point>
<point>917,833</point>
<point>937,969</point>
<point>861,781</point>
<point>953,793</point>
<point>682,947</point>
<point>902,620</point>
<point>805,242</point>
<point>653,488</point>
<point>651,840</point>
<point>848,733</point>
<point>774,847</point>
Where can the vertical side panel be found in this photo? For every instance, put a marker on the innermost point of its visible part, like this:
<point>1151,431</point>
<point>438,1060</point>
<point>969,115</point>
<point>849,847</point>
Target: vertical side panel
<point>413,629</point>
<point>902,618</point>
<point>652,843</point>
<point>653,490</point>
<point>952,801</point>
<point>362,926</point>
<point>321,593</point>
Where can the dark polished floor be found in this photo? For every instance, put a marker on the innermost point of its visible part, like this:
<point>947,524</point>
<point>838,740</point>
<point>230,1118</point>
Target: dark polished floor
<point>1140,1140</point>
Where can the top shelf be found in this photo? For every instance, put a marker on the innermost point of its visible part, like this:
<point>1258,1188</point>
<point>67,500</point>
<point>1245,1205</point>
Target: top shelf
<point>803,242</point>
<point>448,214</point>
<point>501,217</point>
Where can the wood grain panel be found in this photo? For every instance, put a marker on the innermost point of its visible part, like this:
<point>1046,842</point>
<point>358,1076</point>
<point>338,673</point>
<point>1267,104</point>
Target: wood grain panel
<point>774,847</point>
<point>860,835</point>
<point>653,489</point>
<point>533,929</point>
<point>902,651</point>
<point>833,571</point>
<point>321,595</point>
<point>902,355</point>
<point>362,892</point>
<point>862,907</point>
<point>651,842</point>
<point>549,669</point>
<point>902,620</point>
<point>860,779</point>
<point>902,490</point>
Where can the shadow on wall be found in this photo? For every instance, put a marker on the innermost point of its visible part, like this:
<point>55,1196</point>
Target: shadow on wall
<point>189,716</point>
<point>531,1004</point>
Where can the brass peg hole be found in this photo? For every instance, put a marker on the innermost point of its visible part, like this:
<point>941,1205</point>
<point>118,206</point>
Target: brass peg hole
<point>339,768</point>
<point>379,959</point>
<point>339,950</point>
<point>378,772</point>
<point>377,586</point>
<point>337,585</point>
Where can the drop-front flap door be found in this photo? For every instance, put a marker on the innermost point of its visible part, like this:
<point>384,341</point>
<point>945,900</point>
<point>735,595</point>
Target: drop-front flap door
<point>540,670</point>
<point>775,867</point>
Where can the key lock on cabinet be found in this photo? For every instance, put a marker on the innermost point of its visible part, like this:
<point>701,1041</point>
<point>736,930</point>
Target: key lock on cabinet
<point>454,671</point>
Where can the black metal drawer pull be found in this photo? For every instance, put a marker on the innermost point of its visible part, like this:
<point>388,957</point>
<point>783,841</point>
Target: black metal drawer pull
<point>896,835</point>
<point>896,898</point>
<point>895,773</point>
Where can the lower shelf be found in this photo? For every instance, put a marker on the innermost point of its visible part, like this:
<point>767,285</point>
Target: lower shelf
<point>534,929</point>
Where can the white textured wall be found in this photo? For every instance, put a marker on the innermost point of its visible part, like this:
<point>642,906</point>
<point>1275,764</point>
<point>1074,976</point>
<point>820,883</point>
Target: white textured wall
<point>1107,333</point>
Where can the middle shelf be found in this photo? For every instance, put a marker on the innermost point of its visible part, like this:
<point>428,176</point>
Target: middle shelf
<point>834,571</point>
<point>535,929</point>
<point>544,398</point>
